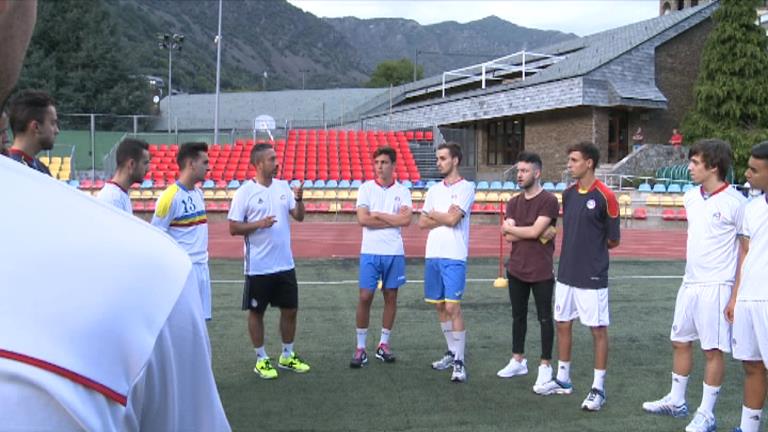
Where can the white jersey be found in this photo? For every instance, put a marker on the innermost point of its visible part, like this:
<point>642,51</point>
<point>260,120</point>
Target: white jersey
<point>713,224</point>
<point>383,199</point>
<point>116,340</point>
<point>754,271</point>
<point>267,250</point>
<point>443,241</point>
<point>181,213</point>
<point>114,194</point>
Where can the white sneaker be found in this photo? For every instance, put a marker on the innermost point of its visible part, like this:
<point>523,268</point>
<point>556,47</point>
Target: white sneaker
<point>459,372</point>
<point>445,362</point>
<point>552,387</point>
<point>514,368</point>
<point>545,374</point>
<point>702,422</point>
<point>664,406</point>
<point>594,400</point>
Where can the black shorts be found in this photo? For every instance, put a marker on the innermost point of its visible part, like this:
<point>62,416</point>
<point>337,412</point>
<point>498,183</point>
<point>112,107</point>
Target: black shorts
<point>276,289</point>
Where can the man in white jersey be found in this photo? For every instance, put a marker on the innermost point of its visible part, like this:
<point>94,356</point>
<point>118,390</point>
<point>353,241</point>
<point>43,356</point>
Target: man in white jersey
<point>260,213</point>
<point>132,157</point>
<point>748,307</point>
<point>446,214</point>
<point>383,206</point>
<point>151,369</point>
<point>715,212</point>
<point>180,212</point>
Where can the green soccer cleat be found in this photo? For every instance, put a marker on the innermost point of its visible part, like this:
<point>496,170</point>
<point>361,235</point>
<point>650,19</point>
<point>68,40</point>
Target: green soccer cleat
<point>264,369</point>
<point>294,363</point>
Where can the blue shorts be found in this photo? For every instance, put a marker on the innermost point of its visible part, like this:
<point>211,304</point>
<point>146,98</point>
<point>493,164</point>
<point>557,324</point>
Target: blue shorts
<point>390,269</point>
<point>444,280</point>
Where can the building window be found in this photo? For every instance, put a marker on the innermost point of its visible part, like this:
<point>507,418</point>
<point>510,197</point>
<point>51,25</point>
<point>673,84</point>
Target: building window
<point>694,3</point>
<point>506,140</point>
<point>680,5</point>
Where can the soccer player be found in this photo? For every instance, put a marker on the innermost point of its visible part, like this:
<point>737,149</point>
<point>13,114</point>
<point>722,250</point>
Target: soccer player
<point>71,365</point>
<point>383,206</point>
<point>446,214</point>
<point>590,228</point>
<point>748,307</point>
<point>530,222</point>
<point>715,212</point>
<point>132,164</point>
<point>33,120</point>
<point>260,213</point>
<point>180,212</point>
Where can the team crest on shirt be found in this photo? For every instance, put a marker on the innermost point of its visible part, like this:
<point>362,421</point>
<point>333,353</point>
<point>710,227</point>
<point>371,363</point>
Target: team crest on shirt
<point>397,199</point>
<point>716,216</point>
<point>261,201</point>
<point>283,197</point>
<point>591,204</point>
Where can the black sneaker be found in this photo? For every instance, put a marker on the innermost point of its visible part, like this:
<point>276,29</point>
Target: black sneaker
<point>384,354</point>
<point>359,360</point>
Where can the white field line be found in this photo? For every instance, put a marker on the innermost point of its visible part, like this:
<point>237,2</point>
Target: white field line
<point>420,281</point>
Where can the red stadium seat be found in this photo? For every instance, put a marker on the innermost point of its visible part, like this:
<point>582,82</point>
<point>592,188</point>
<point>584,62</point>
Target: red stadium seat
<point>640,213</point>
<point>668,215</point>
<point>681,215</point>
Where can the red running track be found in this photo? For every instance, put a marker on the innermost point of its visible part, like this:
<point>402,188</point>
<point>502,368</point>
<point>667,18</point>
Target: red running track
<point>342,240</point>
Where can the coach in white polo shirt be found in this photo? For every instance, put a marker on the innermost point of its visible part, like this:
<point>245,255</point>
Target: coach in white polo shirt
<point>748,308</point>
<point>715,211</point>
<point>446,214</point>
<point>260,213</point>
<point>383,206</point>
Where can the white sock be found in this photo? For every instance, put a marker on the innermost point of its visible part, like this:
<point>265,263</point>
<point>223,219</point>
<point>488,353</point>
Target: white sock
<point>260,353</point>
<point>384,336</point>
<point>709,398</point>
<point>750,419</point>
<point>679,384</point>
<point>362,333</point>
<point>460,341</point>
<point>447,327</point>
<point>599,381</point>
<point>564,371</point>
<point>287,349</point>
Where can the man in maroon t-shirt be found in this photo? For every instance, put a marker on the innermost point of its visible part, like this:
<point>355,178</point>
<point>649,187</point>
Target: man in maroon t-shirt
<point>530,226</point>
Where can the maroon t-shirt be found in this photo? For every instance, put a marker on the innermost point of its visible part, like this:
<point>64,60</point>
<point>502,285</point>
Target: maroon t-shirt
<point>530,260</point>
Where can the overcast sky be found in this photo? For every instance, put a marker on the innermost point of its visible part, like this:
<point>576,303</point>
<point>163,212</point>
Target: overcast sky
<point>582,17</point>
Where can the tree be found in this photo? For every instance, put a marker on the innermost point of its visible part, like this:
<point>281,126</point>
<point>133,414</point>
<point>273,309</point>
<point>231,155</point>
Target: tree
<point>76,56</point>
<point>394,72</point>
<point>732,87</point>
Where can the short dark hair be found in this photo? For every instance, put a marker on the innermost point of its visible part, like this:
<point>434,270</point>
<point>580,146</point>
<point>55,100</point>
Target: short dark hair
<point>258,150</point>
<point>760,151</point>
<point>130,149</point>
<point>386,150</point>
<point>588,150</point>
<point>28,106</point>
<point>190,150</point>
<point>453,148</point>
<point>531,158</point>
<point>715,153</point>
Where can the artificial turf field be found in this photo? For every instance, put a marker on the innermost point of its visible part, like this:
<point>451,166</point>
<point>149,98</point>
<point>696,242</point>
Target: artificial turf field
<point>409,396</point>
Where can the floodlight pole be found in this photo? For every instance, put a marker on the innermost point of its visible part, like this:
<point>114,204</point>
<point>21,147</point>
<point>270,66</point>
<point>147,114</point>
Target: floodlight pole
<point>218,80</point>
<point>170,91</point>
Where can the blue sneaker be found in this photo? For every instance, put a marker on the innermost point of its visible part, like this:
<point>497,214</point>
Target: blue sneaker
<point>664,406</point>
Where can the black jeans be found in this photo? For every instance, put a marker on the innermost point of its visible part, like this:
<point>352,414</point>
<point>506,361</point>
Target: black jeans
<point>519,293</point>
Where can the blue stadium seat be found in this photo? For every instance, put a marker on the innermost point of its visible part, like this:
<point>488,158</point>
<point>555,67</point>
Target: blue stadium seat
<point>483,185</point>
<point>674,188</point>
<point>74,183</point>
<point>687,187</point>
<point>319,183</point>
<point>332,184</point>
<point>233,184</point>
<point>509,185</point>
<point>430,183</point>
<point>407,183</point>
<point>496,185</point>
<point>549,187</point>
<point>295,183</point>
<point>356,184</point>
<point>561,186</point>
<point>659,188</point>
<point>419,184</point>
<point>308,184</point>
<point>146,184</point>
<point>644,187</point>
<point>344,184</point>
<point>208,184</point>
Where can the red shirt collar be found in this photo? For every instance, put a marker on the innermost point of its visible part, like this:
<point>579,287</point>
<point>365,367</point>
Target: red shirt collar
<point>118,185</point>
<point>27,158</point>
<point>705,195</point>
<point>382,185</point>
<point>451,184</point>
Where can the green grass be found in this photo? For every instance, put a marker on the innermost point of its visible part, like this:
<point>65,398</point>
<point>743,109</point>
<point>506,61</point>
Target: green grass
<point>409,396</point>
